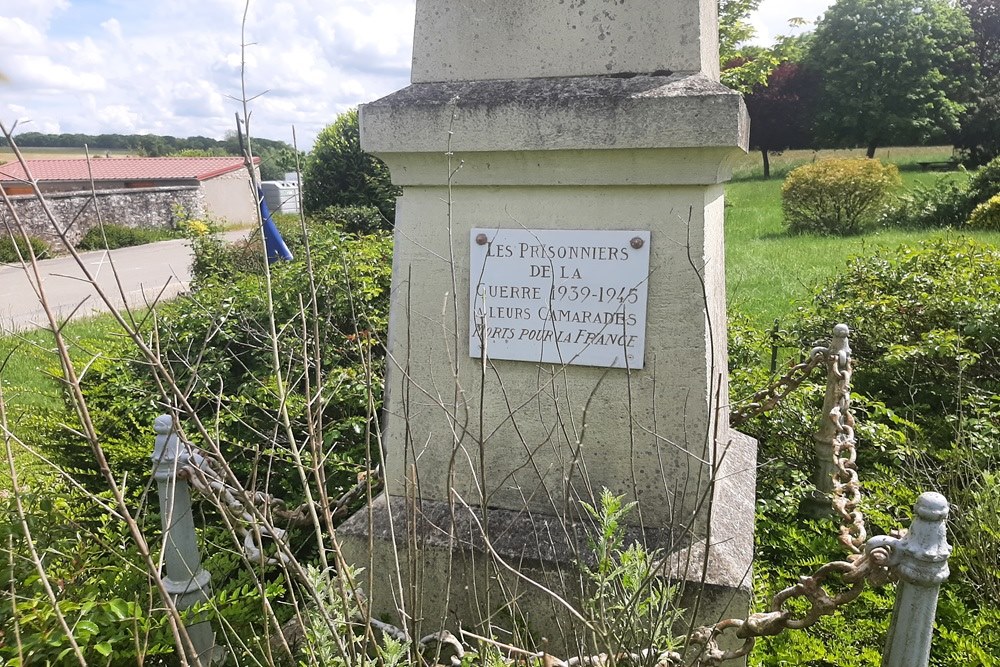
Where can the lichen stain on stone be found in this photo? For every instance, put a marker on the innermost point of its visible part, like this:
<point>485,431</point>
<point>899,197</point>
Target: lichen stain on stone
<point>596,92</point>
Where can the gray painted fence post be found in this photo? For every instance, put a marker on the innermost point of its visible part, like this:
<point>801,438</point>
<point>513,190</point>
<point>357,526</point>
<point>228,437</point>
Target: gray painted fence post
<point>837,361</point>
<point>838,357</point>
<point>184,578</point>
<point>921,560</point>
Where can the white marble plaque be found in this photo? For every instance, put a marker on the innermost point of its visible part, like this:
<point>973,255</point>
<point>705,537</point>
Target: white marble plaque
<point>559,296</point>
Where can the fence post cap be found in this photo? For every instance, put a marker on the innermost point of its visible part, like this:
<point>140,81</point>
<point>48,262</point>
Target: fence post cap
<point>199,582</point>
<point>921,556</point>
<point>167,453</point>
<point>163,424</point>
<point>931,506</point>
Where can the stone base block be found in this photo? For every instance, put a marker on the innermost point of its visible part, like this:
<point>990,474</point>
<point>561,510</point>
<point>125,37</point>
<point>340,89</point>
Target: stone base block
<point>431,565</point>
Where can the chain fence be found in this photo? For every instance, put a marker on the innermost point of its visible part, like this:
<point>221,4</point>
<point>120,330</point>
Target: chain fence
<point>831,586</point>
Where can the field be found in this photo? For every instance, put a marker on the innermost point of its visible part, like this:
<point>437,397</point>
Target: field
<point>905,157</point>
<point>7,155</point>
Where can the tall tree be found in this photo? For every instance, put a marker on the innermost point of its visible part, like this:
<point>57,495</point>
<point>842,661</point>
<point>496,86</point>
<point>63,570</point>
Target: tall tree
<point>979,137</point>
<point>743,66</point>
<point>781,111</point>
<point>892,71</point>
<point>984,16</point>
<point>339,173</point>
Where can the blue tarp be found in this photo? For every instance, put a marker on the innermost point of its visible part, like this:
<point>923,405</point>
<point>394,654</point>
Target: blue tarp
<point>273,243</point>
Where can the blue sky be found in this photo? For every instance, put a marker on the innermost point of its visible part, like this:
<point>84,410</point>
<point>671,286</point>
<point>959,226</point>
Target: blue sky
<point>172,66</point>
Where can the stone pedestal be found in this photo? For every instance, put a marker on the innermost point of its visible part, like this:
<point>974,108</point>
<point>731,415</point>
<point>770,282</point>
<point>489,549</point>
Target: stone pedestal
<point>529,118</point>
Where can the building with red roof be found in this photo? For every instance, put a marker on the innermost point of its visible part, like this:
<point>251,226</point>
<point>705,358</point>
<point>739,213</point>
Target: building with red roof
<point>132,191</point>
<point>123,169</point>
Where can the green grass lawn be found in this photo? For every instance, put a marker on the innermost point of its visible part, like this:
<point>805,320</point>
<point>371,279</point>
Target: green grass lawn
<point>770,273</point>
<point>30,370</point>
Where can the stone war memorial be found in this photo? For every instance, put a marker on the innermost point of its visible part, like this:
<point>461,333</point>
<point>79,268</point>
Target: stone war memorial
<point>558,319</point>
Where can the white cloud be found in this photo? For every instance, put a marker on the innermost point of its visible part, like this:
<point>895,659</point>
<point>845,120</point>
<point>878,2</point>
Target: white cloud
<point>85,54</point>
<point>37,74</point>
<point>375,28</point>
<point>170,66</point>
<point>195,99</point>
<point>113,27</point>
<point>19,34</point>
<point>38,12</point>
<point>772,17</point>
<point>119,116</point>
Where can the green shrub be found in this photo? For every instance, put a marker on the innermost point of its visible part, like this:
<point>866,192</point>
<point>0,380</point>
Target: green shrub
<point>13,249</point>
<point>216,260</point>
<point>926,338</point>
<point>986,215</point>
<point>949,202</point>
<point>926,392</point>
<point>984,183</point>
<point>110,237</point>
<point>95,571</point>
<point>837,197</point>
<point>925,321</point>
<point>101,585</point>
<point>942,205</point>
<point>216,343</point>
<point>338,173</point>
<point>354,219</point>
<point>904,447</point>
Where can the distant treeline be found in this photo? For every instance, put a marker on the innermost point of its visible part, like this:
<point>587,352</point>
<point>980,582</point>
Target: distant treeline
<point>141,143</point>
<point>277,157</point>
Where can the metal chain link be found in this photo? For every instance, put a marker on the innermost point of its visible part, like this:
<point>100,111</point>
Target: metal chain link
<point>768,398</point>
<point>868,559</point>
<point>846,486</point>
<point>204,477</point>
<point>868,567</point>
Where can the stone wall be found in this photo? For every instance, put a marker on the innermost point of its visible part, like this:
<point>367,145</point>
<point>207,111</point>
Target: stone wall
<point>149,208</point>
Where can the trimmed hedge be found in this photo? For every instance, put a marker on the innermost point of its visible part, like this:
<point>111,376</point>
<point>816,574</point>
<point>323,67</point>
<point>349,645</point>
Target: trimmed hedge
<point>837,197</point>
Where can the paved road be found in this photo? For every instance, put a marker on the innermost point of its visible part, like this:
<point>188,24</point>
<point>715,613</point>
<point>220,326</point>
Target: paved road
<point>158,270</point>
